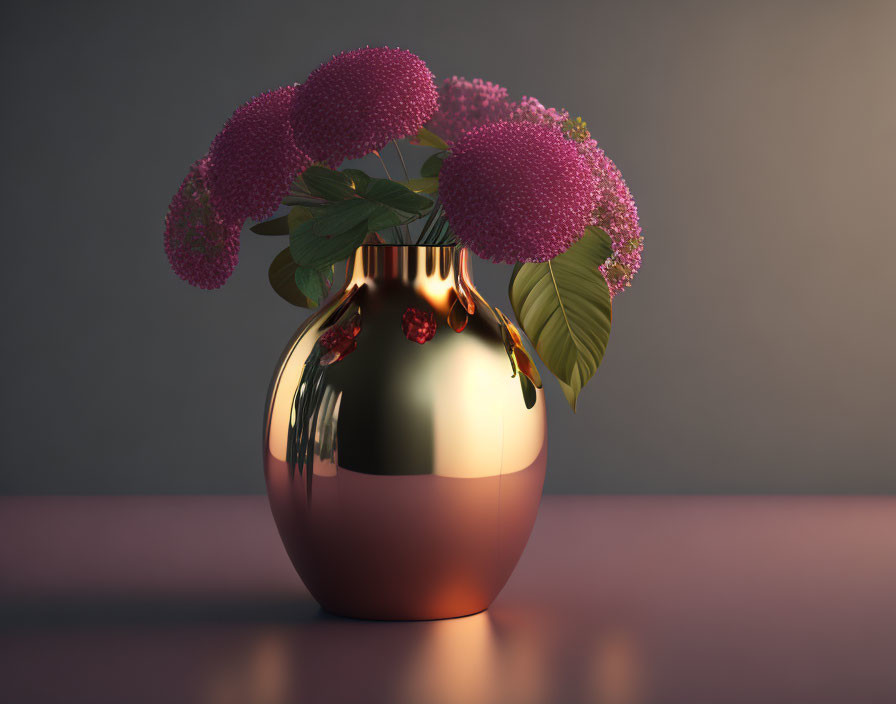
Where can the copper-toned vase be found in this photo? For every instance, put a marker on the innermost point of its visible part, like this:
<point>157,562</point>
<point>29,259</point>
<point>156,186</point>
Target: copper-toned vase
<point>405,441</point>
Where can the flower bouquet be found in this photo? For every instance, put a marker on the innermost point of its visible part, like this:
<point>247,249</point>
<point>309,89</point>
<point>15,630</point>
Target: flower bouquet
<point>404,467</point>
<point>512,181</point>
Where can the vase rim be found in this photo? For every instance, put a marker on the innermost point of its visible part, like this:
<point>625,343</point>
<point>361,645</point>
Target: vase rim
<point>407,262</point>
<point>410,246</point>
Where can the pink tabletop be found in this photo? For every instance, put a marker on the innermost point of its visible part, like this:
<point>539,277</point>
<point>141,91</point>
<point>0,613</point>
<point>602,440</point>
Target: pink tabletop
<point>619,600</point>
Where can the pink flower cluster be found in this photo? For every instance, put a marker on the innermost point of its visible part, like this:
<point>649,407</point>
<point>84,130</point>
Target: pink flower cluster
<point>614,208</point>
<point>531,110</point>
<point>359,101</point>
<point>464,105</point>
<point>354,104</point>
<point>617,214</point>
<point>516,191</point>
<point>254,158</point>
<point>202,247</point>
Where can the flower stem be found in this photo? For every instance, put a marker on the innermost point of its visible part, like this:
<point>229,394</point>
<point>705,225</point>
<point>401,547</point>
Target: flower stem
<point>404,166</point>
<point>433,213</point>
<point>388,175</point>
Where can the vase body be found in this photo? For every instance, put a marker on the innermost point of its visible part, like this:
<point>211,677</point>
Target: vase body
<point>404,446</point>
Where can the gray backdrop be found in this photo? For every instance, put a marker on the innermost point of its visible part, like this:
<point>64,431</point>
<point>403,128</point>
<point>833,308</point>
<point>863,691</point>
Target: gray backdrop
<point>754,354</point>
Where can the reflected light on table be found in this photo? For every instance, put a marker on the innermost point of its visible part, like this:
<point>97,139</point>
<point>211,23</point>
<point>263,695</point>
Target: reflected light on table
<point>258,674</point>
<point>456,662</point>
<point>617,675</point>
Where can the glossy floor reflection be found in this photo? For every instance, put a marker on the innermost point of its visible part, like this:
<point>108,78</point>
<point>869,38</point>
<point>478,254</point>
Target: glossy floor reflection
<point>169,656</point>
<point>617,601</point>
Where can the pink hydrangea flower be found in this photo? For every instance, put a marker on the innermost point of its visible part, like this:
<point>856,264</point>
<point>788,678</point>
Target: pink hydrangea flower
<point>359,101</point>
<point>617,214</point>
<point>517,191</point>
<point>254,159</point>
<point>531,110</point>
<point>615,210</point>
<point>202,247</point>
<point>465,104</point>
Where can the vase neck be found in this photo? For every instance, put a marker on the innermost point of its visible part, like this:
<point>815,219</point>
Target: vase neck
<point>408,264</point>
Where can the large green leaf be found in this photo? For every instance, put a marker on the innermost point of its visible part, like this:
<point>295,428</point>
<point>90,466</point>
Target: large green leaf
<point>426,184</point>
<point>605,244</point>
<point>563,305</point>
<point>297,215</point>
<point>397,195</point>
<point>352,204</point>
<point>327,183</point>
<point>336,218</point>
<point>432,165</point>
<point>274,226</point>
<point>314,283</point>
<point>359,179</point>
<point>385,217</point>
<point>282,275</point>
<point>317,251</point>
<point>425,138</point>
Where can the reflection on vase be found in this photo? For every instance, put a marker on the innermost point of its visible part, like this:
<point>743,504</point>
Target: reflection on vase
<point>405,441</point>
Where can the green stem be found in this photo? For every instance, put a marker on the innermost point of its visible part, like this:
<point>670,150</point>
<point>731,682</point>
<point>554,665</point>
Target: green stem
<point>407,176</point>
<point>388,175</point>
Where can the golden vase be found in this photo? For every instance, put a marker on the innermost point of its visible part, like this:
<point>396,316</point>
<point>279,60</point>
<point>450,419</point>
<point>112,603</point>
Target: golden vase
<point>405,441</point>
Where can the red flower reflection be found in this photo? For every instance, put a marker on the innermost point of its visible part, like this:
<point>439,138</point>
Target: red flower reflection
<point>419,326</point>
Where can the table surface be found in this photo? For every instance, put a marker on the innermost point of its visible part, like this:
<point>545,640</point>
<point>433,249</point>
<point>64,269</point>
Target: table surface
<point>619,600</point>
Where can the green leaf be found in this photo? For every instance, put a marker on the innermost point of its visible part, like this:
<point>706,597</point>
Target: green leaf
<point>282,276</point>
<point>398,196</point>
<point>275,226</point>
<point>439,235</point>
<point>563,305</point>
<point>422,185</point>
<point>432,166</point>
<point>314,283</point>
<point>359,179</point>
<point>297,216</point>
<point>606,243</point>
<point>426,138</point>
<point>318,251</point>
<point>383,218</point>
<point>336,218</point>
<point>300,199</point>
<point>572,396</point>
<point>329,184</point>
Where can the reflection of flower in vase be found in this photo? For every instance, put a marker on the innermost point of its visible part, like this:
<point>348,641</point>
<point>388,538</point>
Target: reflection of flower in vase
<point>340,341</point>
<point>418,325</point>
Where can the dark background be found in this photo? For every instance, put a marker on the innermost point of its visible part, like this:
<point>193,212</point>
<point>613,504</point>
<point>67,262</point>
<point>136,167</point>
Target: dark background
<point>755,352</point>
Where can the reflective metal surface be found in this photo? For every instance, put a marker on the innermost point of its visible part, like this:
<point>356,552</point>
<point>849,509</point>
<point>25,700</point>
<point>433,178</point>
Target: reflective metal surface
<point>404,468</point>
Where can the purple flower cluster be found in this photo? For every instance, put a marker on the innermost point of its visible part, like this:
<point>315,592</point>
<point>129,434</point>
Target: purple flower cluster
<point>359,101</point>
<point>617,214</point>
<point>614,207</point>
<point>521,182</point>
<point>531,110</point>
<point>464,105</point>
<point>517,191</point>
<point>615,210</point>
<point>254,158</point>
<point>202,248</point>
